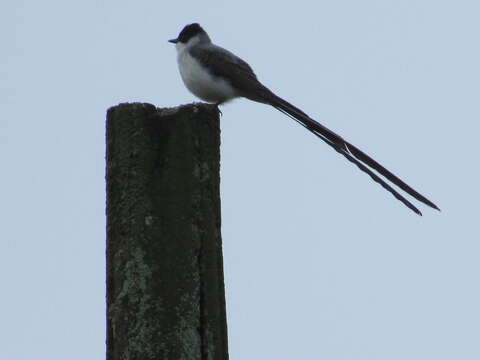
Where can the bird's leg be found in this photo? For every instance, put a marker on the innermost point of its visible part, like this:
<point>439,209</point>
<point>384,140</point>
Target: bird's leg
<point>217,105</point>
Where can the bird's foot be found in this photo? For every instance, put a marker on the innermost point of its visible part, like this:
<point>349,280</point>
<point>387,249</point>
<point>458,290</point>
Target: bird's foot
<point>217,105</point>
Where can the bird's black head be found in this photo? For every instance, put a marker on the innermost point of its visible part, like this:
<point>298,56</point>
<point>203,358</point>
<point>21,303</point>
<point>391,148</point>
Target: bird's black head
<point>187,33</point>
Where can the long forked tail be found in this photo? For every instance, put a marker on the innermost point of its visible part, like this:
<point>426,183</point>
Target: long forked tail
<point>350,152</point>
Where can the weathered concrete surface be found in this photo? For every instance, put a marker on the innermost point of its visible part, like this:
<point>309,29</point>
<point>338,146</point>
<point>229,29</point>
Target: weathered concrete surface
<point>165,288</point>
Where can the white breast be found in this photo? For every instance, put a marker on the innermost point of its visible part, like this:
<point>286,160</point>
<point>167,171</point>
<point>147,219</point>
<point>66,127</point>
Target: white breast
<point>200,82</point>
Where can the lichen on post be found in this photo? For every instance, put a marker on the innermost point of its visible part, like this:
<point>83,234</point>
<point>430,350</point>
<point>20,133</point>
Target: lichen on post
<point>165,287</point>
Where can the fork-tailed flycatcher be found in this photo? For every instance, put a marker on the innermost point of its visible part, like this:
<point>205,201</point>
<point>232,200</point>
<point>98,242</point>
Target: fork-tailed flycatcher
<point>216,75</point>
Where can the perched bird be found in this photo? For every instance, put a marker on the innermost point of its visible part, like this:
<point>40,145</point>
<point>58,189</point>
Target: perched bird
<point>216,75</point>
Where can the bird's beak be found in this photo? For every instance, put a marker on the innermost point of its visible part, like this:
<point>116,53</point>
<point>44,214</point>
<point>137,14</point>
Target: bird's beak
<point>174,41</point>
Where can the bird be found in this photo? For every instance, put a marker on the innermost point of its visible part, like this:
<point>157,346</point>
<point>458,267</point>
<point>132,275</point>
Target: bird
<point>216,75</point>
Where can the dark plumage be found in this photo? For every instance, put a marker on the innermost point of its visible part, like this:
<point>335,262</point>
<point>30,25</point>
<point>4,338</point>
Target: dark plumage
<point>189,31</point>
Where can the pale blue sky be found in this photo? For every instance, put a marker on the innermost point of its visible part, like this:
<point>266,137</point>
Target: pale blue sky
<point>320,262</point>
